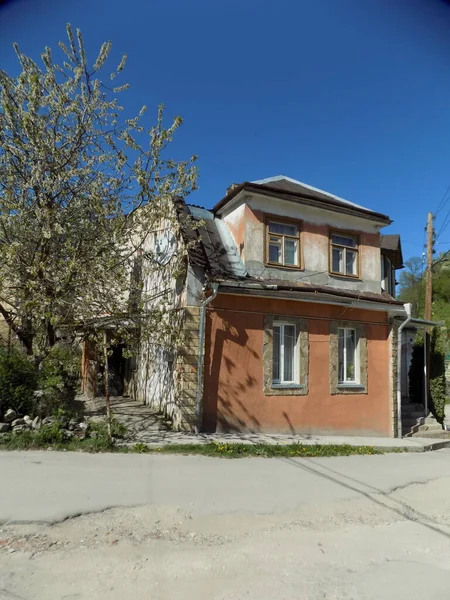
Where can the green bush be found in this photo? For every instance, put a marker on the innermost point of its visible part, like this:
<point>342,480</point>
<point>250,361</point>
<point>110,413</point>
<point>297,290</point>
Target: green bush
<point>18,381</point>
<point>437,376</point>
<point>58,378</point>
<point>118,430</point>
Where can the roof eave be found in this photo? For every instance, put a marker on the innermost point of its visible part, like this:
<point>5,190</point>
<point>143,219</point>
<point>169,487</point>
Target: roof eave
<point>331,204</point>
<point>394,308</point>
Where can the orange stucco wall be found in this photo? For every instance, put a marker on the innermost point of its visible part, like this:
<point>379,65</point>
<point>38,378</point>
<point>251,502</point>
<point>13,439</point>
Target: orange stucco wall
<point>233,387</point>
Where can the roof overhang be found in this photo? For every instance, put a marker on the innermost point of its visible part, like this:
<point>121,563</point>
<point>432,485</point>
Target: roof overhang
<point>303,198</point>
<point>421,323</point>
<point>260,291</point>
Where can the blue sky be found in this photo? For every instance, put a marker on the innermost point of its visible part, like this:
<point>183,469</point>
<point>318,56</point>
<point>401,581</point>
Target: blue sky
<point>349,96</point>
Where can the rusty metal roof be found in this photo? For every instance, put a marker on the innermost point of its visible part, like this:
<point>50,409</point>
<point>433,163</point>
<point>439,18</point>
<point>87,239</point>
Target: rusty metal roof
<point>209,243</point>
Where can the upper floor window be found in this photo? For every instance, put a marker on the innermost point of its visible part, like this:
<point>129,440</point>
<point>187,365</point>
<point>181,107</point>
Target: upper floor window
<point>344,254</point>
<point>283,243</point>
<point>387,275</point>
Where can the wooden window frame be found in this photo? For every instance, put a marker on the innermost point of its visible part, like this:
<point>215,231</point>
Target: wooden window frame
<point>356,249</point>
<point>268,218</point>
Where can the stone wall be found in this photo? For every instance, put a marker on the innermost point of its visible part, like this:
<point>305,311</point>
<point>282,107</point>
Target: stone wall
<point>393,358</point>
<point>166,378</point>
<point>186,370</point>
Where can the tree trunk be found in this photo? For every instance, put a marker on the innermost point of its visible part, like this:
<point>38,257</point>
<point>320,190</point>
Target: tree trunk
<point>106,378</point>
<point>23,333</point>
<point>51,335</point>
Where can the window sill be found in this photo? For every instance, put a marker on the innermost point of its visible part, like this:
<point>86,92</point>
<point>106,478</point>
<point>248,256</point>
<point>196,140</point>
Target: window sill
<point>288,267</point>
<point>288,389</point>
<point>287,386</point>
<point>342,276</point>
<point>351,388</point>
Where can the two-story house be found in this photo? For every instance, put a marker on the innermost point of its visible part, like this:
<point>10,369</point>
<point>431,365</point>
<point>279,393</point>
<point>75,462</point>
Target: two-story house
<point>291,314</point>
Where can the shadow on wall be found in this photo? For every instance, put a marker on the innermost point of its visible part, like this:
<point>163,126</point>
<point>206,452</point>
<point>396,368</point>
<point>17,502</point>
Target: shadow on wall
<point>233,379</point>
<point>222,418</point>
<point>154,382</point>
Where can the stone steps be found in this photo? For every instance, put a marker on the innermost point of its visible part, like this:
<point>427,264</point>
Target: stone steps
<point>413,425</point>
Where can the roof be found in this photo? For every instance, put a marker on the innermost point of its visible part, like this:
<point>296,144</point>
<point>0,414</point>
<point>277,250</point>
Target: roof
<point>298,187</point>
<point>290,189</point>
<point>211,247</point>
<point>391,246</point>
<point>305,289</point>
<point>209,243</point>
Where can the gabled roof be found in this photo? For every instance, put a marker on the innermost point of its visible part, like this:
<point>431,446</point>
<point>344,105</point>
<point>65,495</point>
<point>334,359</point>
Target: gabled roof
<point>281,182</point>
<point>290,189</point>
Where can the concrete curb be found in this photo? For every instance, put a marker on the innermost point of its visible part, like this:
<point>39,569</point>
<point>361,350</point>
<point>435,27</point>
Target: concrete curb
<point>405,445</point>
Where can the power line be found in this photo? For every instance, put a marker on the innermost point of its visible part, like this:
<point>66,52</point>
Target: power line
<point>444,224</point>
<point>443,201</point>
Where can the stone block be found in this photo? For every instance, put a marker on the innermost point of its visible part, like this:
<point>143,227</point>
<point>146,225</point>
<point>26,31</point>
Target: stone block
<point>10,415</point>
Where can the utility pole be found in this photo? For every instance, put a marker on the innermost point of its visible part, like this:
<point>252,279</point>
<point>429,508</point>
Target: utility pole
<point>428,280</point>
<point>428,302</point>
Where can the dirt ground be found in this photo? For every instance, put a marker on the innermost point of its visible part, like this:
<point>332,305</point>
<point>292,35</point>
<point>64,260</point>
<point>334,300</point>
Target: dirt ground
<point>356,548</point>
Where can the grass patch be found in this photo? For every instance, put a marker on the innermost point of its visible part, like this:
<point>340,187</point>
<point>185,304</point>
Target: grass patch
<point>54,439</point>
<point>237,450</point>
<point>46,438</point>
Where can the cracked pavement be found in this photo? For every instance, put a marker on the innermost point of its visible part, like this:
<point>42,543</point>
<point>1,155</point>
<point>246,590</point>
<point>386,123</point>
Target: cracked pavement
<point>360,527</point>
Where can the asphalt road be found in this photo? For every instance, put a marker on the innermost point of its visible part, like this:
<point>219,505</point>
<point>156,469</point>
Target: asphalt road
<point>51,486</point>
<point>360,527</point>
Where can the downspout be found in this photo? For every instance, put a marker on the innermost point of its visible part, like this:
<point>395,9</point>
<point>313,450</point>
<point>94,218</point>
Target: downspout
<point>201,345</point>
<point>399,376</point>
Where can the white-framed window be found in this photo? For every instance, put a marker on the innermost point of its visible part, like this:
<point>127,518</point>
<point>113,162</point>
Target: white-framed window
<point>344,254</point>
<point>283,243</point>
<point>285,353</point>
<point>348,353</point>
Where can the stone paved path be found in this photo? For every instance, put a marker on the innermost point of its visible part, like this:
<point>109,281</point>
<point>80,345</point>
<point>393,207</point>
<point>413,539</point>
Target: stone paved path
<point>146,426</point>
<point>142,422</point>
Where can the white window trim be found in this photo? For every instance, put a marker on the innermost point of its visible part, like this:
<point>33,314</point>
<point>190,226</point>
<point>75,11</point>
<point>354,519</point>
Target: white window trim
<point>281,382</point>
<point>357,380</point>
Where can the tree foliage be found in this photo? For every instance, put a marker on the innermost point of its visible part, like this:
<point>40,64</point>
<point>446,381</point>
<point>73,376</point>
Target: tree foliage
<point>412,284</point>
<point>81,190</point>
<point>412,289</point>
